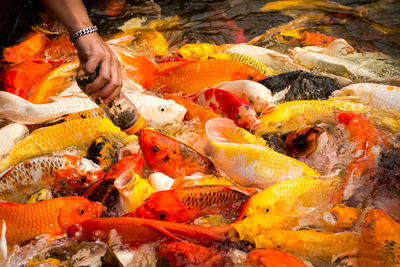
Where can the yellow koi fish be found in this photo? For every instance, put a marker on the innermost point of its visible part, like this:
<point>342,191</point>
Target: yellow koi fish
<point>292,196</point>
<point>79,133</point>
<point>294,115</point>
<point>249,164</point>
<point>309,244</point>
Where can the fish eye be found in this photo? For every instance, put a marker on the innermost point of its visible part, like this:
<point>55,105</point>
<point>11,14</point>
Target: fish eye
<point>237,116</point>
<point>162,216</point>
<point>81,210</point>
<point>266,210</point>
<point>247,107</point>
<point>251,100</point>
<point>156,148</point>
<point>162,108</point>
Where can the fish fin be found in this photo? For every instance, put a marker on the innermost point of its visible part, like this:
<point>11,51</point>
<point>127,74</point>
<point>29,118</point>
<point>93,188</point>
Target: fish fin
<point>345,98</point>
<point>215,129</point>
<point>113,243</point>
<point>244,190</point>
<point>281,94</point>
<point>163,230</point>
<point>3,243</point>
<point>301,211</point>
<point>165,68</point>
<point>267,109</point>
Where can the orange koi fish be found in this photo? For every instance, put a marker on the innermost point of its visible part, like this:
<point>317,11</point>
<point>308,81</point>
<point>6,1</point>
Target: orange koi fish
<point>380,240</point>
<point>66,173</point>
<point>171,157</point>
<point>32,45</point>
<point>181,254</point>
<point>195,112</point>
<point>193,76</point>
<point>138,230</point>
<point>187,203</point>
<point>365,138</point>
<point>53,216</point>
<point>229,106</point>
<point>272,258</point>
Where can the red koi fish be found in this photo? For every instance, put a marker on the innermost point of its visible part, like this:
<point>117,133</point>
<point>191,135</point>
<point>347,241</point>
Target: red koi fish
<point>272,258</point>
<point>187,203</point>
<point>181,254</point>
<point>137,230</point>
<point>171,157</point>
<point>229,105</point>
<point>365,138</point>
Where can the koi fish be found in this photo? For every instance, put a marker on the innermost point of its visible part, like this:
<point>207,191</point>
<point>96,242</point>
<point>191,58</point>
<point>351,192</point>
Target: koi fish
<point>181,254</point>
<point>198,51</point>
<point>272,258</point>
<point>280,63</point>
<point>194,76</point>
<point>11,134</point>
<point>133,191</point>
<point>340,217</point>
<point>79,133</point>
<point>380,240</point>
<point>292,196</point>
<point>27,49</point>
<point>229,106</point>
<point>366,140</point>
<point>157,111</point>
<point>53,172</point>
<point>255,224</point>
<point>252,92</point>
<point>195,113</point>
<point>187,203</point>
<point>309,244</point>
<point>293,115</point>
<point>171,157</point>
<point>53,216</point>
<point>303,142</point>
<point>249,164</point>
<point>371,94</point>
<point>246,60</point>
<point>146,230</point>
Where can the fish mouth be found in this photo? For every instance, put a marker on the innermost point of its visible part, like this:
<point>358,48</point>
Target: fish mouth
<point>255,125</point>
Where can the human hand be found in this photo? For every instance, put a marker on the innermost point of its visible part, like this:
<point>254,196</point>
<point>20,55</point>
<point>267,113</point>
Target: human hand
<point>93,52</point>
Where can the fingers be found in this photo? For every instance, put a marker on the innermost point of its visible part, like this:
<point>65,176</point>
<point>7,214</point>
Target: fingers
<point>93,52</point>
<point>113,88</point>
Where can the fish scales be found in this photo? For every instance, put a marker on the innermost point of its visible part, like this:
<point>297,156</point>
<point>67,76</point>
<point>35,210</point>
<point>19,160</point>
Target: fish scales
<point>261,67</point>
<point>86,114</point>
<point>257,165</point>
<point>30,176</point>
<point>207,195</point>
<point>79,133</point>
<point>298,114</point>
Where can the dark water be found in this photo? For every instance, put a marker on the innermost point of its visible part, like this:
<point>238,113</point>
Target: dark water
<point>232,21</point>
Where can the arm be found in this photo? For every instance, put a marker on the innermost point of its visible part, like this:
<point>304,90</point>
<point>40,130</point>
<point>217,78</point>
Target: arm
<point>92,50</point>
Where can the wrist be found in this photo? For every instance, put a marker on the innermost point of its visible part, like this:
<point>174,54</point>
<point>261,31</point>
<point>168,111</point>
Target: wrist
<point>75,36</point>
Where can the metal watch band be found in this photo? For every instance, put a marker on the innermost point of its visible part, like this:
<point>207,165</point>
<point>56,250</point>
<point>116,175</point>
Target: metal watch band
<point>80,33</point>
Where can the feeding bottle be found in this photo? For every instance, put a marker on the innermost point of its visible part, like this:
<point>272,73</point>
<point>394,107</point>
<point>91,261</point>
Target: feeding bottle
<point>121,111</point>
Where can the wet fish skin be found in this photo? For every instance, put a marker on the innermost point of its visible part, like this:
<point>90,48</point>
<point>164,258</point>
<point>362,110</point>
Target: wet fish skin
<point>187,203</point>
<point>79,133</point>
<point>309,244</point>
<point>53,216</point>
<point>11,134</point>
<point>228,105</point>
<point>380,240</point>
<point>294,115</point>
<point>195,76</point>
<point>289,197</point>
<point>171,157</point>
<point>261,67</point>
<point>371,94</point>
<point>271,258</point>
<point>249,164</point>
<point>66,173</point>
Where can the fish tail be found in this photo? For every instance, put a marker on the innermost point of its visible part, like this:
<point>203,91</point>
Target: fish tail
<point>12,106</point>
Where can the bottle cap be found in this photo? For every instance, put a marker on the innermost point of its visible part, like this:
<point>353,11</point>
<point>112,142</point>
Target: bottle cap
<point>140,123</point>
